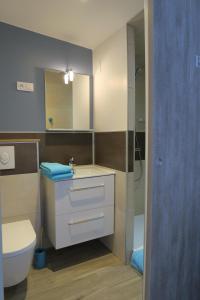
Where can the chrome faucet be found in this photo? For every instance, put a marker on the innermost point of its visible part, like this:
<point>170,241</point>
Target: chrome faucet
<point>71,163</point>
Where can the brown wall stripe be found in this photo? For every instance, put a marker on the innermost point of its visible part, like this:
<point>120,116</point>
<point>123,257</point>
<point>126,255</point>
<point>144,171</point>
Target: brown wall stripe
<point>59,147</point>
<point>140,145</point>
<point>130,151</point>
<point>110,150</point>
<point>25,159</point>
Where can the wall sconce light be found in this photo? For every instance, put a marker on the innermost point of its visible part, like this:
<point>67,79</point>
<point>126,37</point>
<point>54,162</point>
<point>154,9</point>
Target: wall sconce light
<point>66,78</point>
<point>69,76</point>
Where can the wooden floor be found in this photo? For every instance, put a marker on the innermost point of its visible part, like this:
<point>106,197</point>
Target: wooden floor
<point>96,277</point>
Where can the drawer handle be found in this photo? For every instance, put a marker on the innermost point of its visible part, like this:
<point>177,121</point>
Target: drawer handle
<point>101,216</point>
<point>86,188</point>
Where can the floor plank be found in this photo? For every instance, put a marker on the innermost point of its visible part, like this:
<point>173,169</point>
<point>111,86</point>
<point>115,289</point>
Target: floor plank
<point>93,278</point>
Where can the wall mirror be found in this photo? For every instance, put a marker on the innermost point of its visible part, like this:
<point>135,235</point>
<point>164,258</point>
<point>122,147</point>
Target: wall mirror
<point>67,105</point>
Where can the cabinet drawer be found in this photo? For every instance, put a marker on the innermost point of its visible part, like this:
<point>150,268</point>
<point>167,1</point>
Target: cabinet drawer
<point>83,194</point>
<point>83,226</point>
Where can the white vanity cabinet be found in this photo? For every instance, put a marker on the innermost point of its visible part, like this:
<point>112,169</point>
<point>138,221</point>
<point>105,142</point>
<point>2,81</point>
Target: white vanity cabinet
<point>80,209</point>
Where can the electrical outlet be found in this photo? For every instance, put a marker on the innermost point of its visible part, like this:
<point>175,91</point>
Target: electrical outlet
<point>25,86</point>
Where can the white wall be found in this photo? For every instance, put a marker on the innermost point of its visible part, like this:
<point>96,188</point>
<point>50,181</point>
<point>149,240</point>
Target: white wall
<point>114,110</point>
<point>21,199</point>
<point>110,83</point>
<point>111,114</point>
<point>116,243</point>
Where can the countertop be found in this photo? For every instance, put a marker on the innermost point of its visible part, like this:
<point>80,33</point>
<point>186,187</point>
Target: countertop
<point>87,171</point>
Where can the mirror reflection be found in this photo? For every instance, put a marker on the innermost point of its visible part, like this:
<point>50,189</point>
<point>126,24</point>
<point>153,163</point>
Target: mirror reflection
<point>67,105</point>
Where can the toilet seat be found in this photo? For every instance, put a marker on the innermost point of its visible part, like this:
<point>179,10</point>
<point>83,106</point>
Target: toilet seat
<point>17,237</point>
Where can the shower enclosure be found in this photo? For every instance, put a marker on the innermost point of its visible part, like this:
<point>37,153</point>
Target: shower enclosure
<point>139,170</point>
<point>138,197</point>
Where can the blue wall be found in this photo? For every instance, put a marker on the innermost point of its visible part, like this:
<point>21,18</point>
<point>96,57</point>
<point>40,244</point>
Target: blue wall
<point>23,57</point>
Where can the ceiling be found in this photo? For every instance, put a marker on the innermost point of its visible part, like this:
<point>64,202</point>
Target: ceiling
<point>82,22</point>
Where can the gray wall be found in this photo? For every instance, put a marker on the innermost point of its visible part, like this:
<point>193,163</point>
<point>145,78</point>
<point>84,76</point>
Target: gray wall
<point>23,57</point>
<point>174,199</point>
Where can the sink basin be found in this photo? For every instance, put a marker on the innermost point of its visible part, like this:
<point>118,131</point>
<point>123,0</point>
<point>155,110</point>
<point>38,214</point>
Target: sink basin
<point>90,170</point>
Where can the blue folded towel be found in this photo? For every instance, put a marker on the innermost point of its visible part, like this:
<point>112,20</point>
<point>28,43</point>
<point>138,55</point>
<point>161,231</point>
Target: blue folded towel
<point>137,260</point>
<point>60,177</point>
<point>52,169</point>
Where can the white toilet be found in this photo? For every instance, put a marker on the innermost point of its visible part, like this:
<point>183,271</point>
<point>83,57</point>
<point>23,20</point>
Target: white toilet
<point>19,240</point>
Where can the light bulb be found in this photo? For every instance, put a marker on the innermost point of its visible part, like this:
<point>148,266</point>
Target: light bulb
<point>66,78</point>
<point>71,75</point>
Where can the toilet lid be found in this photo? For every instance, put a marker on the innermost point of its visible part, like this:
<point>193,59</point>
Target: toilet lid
<point>17,237</point>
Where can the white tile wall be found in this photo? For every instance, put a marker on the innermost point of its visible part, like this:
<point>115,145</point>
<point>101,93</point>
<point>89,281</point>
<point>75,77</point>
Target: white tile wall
<point>116,243</point>
<point>20,199</point>
<point>110,83</point>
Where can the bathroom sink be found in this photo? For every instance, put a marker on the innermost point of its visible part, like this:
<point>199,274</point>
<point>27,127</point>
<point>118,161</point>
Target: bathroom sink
<point>90,170</point>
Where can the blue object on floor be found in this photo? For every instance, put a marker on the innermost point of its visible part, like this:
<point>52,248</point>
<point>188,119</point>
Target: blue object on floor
<point>137,260</point>
<point>40,258</point>
<point>52,169</point>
